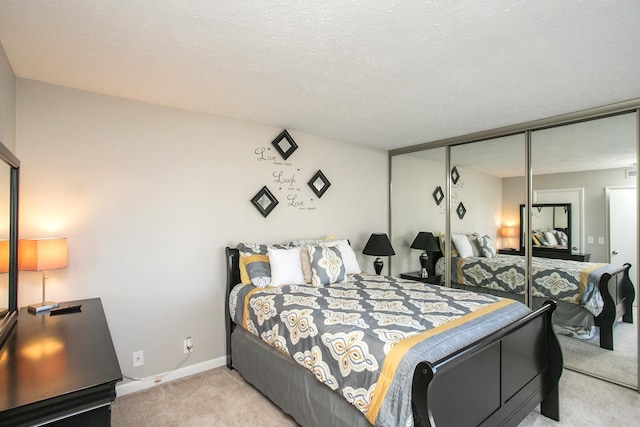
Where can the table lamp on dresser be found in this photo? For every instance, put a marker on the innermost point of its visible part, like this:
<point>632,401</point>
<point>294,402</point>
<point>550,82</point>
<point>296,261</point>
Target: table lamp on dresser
<point>42,255</point>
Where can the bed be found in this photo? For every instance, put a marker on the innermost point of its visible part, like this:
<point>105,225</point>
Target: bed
<point>496,377</point>
<point>588,294</point>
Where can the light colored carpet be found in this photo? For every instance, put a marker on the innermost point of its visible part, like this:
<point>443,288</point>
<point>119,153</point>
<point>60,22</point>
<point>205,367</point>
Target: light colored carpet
<point>618,365</point>
<point>220,397</point>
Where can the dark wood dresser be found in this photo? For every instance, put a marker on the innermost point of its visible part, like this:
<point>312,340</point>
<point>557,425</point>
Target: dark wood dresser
<point>59,370</point>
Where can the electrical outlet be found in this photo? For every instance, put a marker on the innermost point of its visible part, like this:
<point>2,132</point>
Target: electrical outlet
<point>138,358</point>
<point>188,345</point>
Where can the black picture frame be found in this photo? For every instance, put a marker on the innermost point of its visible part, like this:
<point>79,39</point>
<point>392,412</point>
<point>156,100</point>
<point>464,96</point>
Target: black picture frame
<point>455,175</point>
<point>264,201</point>
<point>285,145</point>
<point>461,210</point>
<point>319,190</point>
<point>438,195</point>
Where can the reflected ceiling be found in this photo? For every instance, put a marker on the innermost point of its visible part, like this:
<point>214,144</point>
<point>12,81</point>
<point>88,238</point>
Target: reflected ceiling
<point>597,144</point>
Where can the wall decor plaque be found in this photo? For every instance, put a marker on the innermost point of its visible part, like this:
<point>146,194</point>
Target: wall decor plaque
<point>438,195</point>
<point>264,201</point>
<point>319,183</point>
<point>461,210</point>
<point>285,145</point>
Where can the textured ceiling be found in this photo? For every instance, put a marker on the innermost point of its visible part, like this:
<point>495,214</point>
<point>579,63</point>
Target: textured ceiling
<point>381,73</point>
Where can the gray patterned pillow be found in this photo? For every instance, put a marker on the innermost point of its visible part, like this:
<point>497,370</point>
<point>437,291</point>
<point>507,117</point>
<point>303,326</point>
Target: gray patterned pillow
<point>254,260</point>
<point>487,247</point>
<point>326,265</point>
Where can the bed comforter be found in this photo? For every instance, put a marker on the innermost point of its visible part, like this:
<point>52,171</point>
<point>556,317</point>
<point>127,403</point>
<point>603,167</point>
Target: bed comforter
<point>364,337</point>
<point>572,281</point>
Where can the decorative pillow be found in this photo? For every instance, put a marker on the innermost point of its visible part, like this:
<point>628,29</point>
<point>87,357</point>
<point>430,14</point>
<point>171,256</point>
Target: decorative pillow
<point>563,239</point>
<point>473,239</point>
<point>348,255</point>
<point>541,239</point>
<point>443,243</point>
<point>536,242</point>
<point>258,269</point>
<point>259,275</point>
<point>310,242</point>
<point>306,264</point>
<point>244,276</point>
<point>487,246</point>
<point>462,245</point>
<point>326,265</point>
<point>286,266</point>
<point>551,238</point>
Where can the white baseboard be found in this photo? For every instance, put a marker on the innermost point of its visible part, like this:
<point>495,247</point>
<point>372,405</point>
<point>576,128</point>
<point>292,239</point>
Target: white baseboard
<point>123,389</point>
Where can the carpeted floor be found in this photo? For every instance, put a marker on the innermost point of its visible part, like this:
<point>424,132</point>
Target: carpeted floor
<point>618,365</point>
<point>220,397</point>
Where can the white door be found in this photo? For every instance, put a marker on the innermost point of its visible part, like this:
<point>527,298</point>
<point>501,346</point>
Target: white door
<point>623,228</point>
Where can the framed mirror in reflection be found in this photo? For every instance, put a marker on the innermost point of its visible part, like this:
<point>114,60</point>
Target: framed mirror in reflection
<point>9,180</point>
<point>550,227</point>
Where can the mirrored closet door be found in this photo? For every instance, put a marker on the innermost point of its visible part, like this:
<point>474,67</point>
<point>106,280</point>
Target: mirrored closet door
<point>418,205</point>
<point>573,178</point>
<point>589,166</point>
<point>484,216</point>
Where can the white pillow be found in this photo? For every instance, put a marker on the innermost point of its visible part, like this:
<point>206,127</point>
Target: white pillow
<point>348,256</point>
<point>463,245</point>
<point>286,267</point>
<point>551,238</point>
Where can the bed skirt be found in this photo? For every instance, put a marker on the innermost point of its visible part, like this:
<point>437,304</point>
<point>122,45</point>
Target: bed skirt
<point>293,389</point>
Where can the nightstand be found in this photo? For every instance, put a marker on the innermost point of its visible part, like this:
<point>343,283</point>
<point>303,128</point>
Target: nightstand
<point>415,275</point>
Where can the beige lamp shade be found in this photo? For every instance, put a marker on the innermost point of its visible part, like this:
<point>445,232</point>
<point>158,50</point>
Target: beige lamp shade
<point>508,231</point>
<point>42,254</point>
<point>4,256</point>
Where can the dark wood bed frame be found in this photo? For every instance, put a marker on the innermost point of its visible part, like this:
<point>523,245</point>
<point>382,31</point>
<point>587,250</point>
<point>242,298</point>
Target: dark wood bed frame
<point>618,295</point>
<point>498,380</point>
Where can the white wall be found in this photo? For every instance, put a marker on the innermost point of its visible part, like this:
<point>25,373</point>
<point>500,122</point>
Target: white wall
<point>149,197</point>
<point>7,137</point>
<point>7,102</point>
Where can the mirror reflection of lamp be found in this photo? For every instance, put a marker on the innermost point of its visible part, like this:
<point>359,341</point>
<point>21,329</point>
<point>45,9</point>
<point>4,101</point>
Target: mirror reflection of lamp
<point>42,255</point>
<point>425,241</point>
<point>508,232</point>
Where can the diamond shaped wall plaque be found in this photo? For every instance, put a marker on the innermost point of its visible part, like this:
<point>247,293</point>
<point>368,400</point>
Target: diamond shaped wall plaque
<point>319,183</point>
<point>285,144</point>
<point>264,201</point>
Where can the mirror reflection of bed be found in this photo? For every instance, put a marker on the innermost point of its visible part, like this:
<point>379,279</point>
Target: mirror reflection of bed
<point>565,160</point>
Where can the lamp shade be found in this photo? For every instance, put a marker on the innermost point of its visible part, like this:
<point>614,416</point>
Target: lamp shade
<point>42,254</point>
<point>378,245</point>
<point>425,241</point>
<point>508,231</point>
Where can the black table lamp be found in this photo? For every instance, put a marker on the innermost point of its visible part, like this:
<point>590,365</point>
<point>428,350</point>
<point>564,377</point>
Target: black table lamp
<point>425,241</point>
<point>378,245</point>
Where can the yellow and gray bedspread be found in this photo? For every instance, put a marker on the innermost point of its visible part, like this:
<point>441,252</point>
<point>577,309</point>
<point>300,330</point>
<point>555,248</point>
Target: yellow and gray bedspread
<point>364,337</point>
<point>571,281</point>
